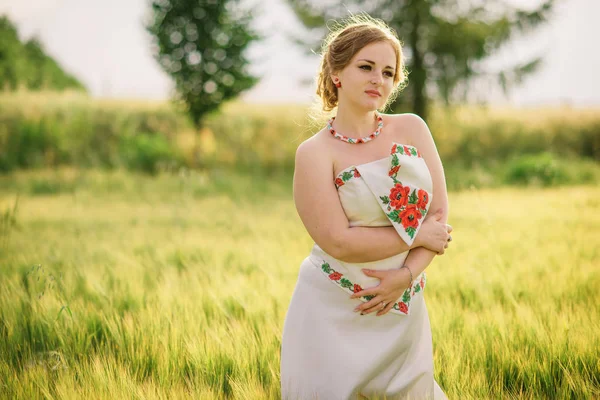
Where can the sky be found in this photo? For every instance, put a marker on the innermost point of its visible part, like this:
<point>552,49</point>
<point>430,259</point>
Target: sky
<point>110,53</point>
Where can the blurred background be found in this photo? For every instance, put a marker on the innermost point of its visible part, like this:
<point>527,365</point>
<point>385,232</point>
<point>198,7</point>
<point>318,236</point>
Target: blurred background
<point>149,243</point>
<point>157,85</point>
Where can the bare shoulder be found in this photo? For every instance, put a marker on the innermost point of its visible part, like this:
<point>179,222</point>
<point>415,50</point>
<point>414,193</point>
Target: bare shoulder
<point>413,130</point>
<point>408,125</point>
<point>314,149</point>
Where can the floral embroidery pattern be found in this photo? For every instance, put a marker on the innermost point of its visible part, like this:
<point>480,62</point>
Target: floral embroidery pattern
<point>349,286</point>
<point>345,176</point>
<point>406,150</point>
<point>403,206</point>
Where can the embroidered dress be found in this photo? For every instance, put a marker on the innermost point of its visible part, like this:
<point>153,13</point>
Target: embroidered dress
<point>328,351</point>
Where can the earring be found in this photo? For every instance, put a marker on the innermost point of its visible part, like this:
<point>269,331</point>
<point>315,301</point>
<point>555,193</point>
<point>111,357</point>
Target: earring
<point>338,84</point>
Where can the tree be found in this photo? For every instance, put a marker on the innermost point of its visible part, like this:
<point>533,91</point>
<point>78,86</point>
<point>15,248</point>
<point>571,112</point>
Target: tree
<point>201,45</point>
<point>445,41</point>
<point>27,65</point>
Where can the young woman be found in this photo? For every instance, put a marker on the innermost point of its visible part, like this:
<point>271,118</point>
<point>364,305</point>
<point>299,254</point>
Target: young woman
<point>370,190</point>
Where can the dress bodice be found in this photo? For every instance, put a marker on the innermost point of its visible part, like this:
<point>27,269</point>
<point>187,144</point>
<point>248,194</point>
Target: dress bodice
<point>392,191</point>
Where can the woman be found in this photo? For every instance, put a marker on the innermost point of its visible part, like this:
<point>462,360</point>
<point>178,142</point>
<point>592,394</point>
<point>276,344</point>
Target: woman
<point>370,190</point>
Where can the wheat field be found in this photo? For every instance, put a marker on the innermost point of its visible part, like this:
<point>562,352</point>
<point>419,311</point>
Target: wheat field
<point>117,285</point>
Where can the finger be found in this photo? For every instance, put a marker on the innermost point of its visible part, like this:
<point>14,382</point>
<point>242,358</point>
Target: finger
<point>369,304</point>
<point>386,309</point>
<point>448,228</point>
<point>376,307</point>
<point>364,292</point>
<point>446,245</point>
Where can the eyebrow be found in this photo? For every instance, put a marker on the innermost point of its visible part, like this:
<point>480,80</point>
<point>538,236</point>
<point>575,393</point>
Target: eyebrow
<point>372,62</point>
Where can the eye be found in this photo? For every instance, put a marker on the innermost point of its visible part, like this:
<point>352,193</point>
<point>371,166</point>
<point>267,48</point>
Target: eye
<point>388,73</point>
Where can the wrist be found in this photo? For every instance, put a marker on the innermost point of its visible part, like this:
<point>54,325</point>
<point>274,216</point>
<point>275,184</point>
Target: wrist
<point>409,275</point>
<point>416,243</point>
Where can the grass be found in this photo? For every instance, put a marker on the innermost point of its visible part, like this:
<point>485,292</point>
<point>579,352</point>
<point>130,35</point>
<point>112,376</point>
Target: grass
<point>119,285</point>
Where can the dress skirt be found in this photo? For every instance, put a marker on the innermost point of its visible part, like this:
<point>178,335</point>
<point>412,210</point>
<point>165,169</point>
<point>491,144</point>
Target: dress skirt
<point>329,352</point>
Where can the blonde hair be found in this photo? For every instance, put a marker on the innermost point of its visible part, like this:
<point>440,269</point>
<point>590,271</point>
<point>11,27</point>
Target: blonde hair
<point>346,39</point>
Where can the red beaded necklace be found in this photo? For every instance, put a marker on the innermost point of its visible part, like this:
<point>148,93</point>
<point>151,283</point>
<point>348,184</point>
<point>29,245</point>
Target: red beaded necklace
<point>365,139</point>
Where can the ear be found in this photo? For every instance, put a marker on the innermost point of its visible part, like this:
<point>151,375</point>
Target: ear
<point>334,77</point>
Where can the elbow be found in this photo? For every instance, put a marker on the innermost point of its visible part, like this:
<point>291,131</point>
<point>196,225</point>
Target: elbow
<point>332,244</point>
<point>337,247</point>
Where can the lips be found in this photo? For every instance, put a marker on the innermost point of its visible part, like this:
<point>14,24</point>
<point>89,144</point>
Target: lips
<point>373,92</point>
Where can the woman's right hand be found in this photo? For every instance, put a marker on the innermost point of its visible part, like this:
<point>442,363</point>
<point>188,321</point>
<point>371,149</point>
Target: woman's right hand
<point>434,235</point>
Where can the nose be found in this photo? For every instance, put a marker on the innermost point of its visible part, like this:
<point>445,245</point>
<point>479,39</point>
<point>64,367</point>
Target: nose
<point>377,79</point>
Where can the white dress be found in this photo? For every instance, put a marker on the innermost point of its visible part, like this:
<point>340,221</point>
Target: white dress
<point>329,352</point>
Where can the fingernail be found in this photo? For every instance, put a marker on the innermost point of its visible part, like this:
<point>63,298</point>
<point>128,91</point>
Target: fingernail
<point>356,310</point>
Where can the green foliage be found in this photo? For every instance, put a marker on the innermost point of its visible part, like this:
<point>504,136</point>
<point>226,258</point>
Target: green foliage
<point>477,146</point>
<point>547,169</point>
<point>201,45</point>
<point>148,152</point>
<point>86,134</point>
<point>26,65</point>
<point>447,42</point>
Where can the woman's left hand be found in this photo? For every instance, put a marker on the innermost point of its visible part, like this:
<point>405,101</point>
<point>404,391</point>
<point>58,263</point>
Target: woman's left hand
<point>393,283</point>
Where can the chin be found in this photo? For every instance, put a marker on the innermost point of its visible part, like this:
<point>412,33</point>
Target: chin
<point>373,105</point>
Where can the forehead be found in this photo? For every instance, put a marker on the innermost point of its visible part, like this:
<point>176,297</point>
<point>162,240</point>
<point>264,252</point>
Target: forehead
<point>379,52</point>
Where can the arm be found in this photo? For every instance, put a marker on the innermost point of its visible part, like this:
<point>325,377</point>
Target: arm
<point>322,214</point>
<point>419,258</point>
<point>396,280</point>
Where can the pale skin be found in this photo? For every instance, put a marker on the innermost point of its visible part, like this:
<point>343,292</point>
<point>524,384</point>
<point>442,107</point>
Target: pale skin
<point>320,158</point>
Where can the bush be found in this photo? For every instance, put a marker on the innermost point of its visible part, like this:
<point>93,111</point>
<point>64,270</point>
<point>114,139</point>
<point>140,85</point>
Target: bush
<point>147,152</point>
<point>547,169</point>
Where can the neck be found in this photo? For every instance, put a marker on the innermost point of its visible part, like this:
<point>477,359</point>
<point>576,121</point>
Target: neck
<point>354,123</point>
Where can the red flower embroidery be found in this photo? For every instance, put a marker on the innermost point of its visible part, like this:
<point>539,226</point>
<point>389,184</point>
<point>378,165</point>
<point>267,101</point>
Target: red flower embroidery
<point>422,284</point>
<point>403,307</point>
<point>356,173</point>
<point>418,153</point>
<point>423,199</point>
<point>394,170</point>
<point>407,151</point>
<point>357,288</point>
<point>399,196</point>
<point>339,182</point>
<point>394,148</point>
<point>335,276</point>
<point>410,216</point>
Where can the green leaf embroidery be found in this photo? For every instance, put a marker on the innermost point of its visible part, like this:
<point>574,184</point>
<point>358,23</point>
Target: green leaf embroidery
<point>406,296</point>
<point>411,232</point>
<point>413,151</point>
<point>412,199</point>
<point>394,216</point>
<point>385,199</point>
<point>347,176</point>
<point>395,161</point>
<point>345,283</point>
